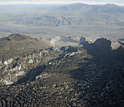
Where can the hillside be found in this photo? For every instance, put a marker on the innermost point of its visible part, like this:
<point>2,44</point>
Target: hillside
<point>17,44</point>
<point>87,75</point>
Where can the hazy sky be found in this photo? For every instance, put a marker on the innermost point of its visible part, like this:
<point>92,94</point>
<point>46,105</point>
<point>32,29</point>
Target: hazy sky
<point>4,2</point>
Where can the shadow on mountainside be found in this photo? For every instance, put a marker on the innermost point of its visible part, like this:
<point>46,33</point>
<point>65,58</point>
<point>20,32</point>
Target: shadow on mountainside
<point>103,55</point>
<point>31,75</point>
<point>101,50</point>
<point>100,81</point>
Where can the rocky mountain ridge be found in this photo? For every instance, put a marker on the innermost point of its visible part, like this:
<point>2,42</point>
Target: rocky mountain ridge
<point>87,75</point>
<point>19,65</point>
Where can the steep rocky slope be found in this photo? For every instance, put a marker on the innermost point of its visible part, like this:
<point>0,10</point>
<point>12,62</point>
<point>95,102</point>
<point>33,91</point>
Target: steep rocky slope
<point>89,75</point>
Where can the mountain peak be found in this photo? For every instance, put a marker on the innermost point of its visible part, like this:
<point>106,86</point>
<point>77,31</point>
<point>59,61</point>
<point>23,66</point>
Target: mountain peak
<point>17,37</point>
<point>17,44</point>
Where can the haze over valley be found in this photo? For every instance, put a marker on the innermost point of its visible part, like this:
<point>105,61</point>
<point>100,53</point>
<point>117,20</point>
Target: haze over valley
<point>74,20</point>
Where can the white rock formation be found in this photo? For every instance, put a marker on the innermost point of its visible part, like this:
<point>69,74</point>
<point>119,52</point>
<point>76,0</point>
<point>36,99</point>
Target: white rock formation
<point>115,45</point>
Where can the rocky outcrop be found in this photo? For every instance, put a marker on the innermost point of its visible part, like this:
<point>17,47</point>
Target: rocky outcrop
<point>69,49</point>
<point>115,45</point>
<point>17,67</point>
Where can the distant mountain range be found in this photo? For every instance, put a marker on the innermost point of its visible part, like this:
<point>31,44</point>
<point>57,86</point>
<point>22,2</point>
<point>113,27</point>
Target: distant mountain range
<point>62,15</point>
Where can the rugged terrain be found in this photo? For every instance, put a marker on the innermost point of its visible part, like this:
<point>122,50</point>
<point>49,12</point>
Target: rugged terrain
<point>87,75</point>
